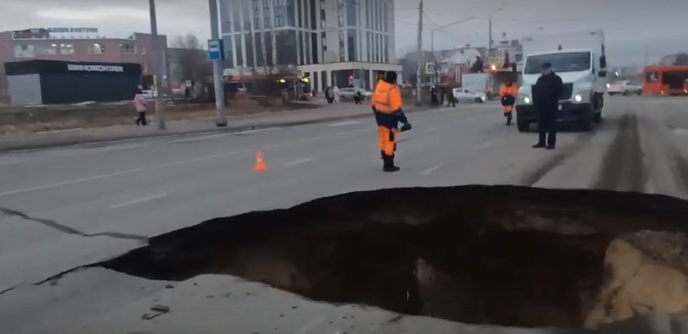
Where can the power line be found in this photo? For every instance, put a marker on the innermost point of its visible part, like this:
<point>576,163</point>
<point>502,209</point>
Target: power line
<point>582,20</point>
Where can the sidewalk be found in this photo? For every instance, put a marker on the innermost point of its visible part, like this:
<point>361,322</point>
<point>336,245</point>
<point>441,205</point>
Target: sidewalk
<point>235,124</point>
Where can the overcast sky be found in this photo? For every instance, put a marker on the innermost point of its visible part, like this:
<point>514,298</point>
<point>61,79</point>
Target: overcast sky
<point>630,25</point>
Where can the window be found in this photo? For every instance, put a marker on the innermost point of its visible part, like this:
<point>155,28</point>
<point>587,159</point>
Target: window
<point>46,49</point>
<point>651,77</point>
<point>268,24</point>
<point>127,48</point>
<point>342,46</point>
<point>96,49</point>
<point>322,4</point>
<point>280,3</point>
<point>341,21</point>
<point>68,49</point>
<point>266,4</point>
<point>24,51</point>
<point>255,4</point>
<point>144,68</point>
<point>279,21</point>
<point>256,23</point>
<point>322,23</point>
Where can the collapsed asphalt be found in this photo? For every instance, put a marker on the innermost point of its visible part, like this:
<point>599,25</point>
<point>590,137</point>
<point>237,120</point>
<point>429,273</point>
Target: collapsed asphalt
<point>500,255</point>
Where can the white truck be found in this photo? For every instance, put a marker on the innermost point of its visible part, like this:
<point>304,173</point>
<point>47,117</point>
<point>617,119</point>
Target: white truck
<point>579,59</point>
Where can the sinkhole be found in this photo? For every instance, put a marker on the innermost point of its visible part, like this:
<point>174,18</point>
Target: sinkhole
<point>499,255</point>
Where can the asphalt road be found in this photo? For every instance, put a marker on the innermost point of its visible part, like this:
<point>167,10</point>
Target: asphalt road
<point>67,207</point>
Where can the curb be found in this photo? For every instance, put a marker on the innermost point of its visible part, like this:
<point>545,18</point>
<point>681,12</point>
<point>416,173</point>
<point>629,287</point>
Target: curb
<point>80,141</point>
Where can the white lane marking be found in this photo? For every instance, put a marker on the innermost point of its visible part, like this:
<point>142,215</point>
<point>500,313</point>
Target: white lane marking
<point>681,131</point>
<point>193,139</point>
<point>483,146</point>
<point>138,201</point>
<point>298,162</point>
<point>250,131</point>
<point>430,170</point>
<point>119,148</point>
<point>344,123</point>
<point>171,164</point>
<point>58,131</point>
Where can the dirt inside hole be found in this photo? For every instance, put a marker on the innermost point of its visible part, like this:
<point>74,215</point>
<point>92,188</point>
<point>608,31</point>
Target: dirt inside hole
<point>484,255</point>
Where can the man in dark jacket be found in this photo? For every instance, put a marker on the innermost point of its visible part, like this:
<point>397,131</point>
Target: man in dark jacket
<point>546,93</point>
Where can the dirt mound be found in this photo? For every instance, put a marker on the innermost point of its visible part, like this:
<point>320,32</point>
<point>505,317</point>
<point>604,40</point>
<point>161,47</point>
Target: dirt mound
<point>502,255</point>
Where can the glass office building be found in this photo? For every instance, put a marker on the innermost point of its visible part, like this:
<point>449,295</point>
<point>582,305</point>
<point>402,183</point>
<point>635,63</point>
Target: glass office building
<point>337,42</point>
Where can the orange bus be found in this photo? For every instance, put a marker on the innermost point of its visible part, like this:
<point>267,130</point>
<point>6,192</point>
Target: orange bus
<point>665,79</point>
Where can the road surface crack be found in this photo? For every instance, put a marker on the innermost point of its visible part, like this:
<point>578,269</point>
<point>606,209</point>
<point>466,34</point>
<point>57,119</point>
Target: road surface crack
<point>69,230</point>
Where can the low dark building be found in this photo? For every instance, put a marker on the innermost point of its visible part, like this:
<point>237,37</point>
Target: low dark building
<point>60,82</point>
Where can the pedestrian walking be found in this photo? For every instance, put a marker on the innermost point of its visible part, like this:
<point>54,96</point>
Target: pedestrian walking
<point>451,99</point>
<point>140,105</point>
<point>546,94</point>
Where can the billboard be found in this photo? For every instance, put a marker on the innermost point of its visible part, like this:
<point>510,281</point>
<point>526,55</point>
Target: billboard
<point>44,33</point>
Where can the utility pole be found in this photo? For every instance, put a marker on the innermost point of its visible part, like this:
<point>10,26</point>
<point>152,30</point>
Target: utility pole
<point>159,68</point>
<point>647,54</point>
<point>218,82</point>
<point>419,70</point>
<point>489,33</point>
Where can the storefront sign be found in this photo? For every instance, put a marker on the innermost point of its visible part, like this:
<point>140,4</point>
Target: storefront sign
<point>95,68</point>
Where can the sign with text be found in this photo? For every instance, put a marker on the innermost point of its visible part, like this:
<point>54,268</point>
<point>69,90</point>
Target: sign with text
<point>95,68</point>
<point>216,50</point>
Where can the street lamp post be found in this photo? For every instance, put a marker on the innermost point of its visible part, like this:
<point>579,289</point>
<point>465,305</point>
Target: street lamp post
<point>218,81</point>
<point>432,42</point>
<point>159,68</point>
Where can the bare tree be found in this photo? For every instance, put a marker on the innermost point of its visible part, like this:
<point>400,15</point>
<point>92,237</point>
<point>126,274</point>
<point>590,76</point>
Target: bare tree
<point>190,62</point>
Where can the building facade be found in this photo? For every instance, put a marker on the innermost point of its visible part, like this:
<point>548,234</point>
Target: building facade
<point>335,42</point>
<point>77,44</point>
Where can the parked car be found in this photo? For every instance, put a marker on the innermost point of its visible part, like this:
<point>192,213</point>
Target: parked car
<point>624,87</point>
<point>465,94</point>
<point>349,92</point>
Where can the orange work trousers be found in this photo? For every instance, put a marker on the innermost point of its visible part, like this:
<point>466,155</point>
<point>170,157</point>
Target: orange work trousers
<point>508,109</point>
<point>388,139</point>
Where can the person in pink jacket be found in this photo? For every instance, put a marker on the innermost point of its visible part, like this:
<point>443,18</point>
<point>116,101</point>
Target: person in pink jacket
<point>140,104</point>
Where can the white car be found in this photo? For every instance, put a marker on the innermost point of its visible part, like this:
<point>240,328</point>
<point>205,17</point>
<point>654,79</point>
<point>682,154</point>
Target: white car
<point>465,94</point>
<point>349,92</point>
<point>624,87</point>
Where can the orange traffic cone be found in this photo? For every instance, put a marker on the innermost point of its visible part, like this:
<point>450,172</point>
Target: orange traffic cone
<point>260,164</point>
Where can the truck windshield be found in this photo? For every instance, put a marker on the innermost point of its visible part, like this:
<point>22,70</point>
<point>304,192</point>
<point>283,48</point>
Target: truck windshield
<point>561,62</point>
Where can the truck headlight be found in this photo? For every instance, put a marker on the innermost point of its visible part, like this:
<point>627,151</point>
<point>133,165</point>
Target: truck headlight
<point>582,97</point>
<point>526,100</point>
<point>578,98</point>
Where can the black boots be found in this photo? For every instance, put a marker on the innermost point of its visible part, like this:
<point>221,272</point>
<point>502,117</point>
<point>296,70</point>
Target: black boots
<point>388,163</point>
<point>508,118</point>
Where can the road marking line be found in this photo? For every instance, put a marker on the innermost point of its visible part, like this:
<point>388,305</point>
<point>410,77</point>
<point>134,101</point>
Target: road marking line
<point>58,131</point>
<point>117,148</point>
<point>430,170</point>
<point>172,164</point>
<point>189,140</point>
<point>681,131</point>
<point>138,201</point>
<point>483,146</point>
<point>344,123</point>
<point>298,162</point>
<point>250,131</point>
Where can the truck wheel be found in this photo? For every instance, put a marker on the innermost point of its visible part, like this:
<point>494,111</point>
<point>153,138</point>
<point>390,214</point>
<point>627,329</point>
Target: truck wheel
<point>478,100</point>
<point>522,126</point>
<point>640,92</point>
<point>625,93</point>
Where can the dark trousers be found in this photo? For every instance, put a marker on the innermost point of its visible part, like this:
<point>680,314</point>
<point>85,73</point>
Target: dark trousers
<point>547,127</point>
<point>142,118</point>
<point>451,101</point>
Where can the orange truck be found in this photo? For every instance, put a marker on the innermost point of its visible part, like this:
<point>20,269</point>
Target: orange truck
<point>665,80</point>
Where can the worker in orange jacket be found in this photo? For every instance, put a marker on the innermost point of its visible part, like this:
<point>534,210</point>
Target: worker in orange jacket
<point>387,107</point>
<point>508,93</point>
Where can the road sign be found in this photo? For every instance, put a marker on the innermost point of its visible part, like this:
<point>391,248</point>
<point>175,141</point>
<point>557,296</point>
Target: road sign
<point>216,50</point>
<point>429,68</point>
